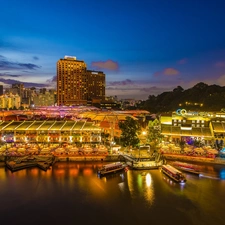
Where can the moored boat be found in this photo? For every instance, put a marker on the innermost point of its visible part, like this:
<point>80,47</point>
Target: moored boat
<point>112,168</point>
<point>173,173</point>
<point>146,164</point>
<point>186,167</point>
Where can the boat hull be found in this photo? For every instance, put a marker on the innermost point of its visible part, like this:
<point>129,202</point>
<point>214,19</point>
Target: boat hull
<point>185,167</point>
<point>102,173</point>
<point>112,168</point>
<point>173,173</point>
<point>187,170</point>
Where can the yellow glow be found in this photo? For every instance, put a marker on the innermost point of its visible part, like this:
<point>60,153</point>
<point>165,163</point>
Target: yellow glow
<point>148,180</point>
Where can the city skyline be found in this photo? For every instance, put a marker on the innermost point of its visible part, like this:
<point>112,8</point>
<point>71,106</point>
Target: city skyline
<point>144,47</point>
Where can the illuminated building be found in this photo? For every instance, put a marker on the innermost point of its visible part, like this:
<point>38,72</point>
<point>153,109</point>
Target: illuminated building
<point>10,101</point>
<point>206,127</point>
<point>18,88</point>
<point>46,98</point>
<point>50,132</point>
<point>76,85</point>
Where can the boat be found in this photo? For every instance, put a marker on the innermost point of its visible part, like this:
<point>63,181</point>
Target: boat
<point>186,167</point>
<point>112,168</point>
<point>146,164</point>
<point>173,173</point>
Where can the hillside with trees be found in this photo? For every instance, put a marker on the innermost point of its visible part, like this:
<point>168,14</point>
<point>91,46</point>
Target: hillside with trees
<point>201,97</point>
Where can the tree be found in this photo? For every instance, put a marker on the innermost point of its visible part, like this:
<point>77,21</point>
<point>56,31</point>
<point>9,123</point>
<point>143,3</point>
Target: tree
<point>105,137</point>
<point>130,128</point>
<point>154,135</point>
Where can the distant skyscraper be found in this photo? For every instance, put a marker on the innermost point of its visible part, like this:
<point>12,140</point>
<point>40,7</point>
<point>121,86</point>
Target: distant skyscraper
<point>19,87</point>
<point>76,85</point>
<point>1,90</point>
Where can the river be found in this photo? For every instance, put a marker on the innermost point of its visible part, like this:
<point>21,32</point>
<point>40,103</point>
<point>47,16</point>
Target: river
<point>72,193</point>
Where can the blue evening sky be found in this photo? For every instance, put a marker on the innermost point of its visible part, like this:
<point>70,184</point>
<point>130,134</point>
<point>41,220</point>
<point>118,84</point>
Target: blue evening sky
<point>145,47</point>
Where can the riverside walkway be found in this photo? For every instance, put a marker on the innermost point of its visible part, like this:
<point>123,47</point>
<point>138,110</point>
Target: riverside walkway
<point>180,157</point>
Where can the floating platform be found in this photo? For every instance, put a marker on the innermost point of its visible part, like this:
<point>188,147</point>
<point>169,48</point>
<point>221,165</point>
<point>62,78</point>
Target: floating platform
<point>19,163</point>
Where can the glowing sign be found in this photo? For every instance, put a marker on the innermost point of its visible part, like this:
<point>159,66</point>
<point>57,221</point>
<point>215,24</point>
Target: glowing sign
<point>183,112</point>
<point>70,57</point>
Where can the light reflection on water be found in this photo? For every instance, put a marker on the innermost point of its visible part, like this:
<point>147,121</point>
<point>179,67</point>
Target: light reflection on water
<point>73,190</point>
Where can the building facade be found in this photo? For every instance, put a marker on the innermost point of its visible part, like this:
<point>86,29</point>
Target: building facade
<point>46,98</point>
<point>208,128</point>
<point>10,101</point>
<point>76,85</point>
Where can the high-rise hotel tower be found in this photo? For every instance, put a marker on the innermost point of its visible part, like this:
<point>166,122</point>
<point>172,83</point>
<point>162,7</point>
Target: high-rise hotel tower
<point>76,85</point>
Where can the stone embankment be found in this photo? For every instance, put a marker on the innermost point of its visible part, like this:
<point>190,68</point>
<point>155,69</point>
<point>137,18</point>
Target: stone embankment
<point>113,158</point>
<point>217,160</point>
<point>89,158</point>
<point>107,158</point>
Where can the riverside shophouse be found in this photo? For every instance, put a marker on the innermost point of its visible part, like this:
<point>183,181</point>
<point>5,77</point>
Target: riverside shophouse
<point>50,131</point>
<point>206,127</point>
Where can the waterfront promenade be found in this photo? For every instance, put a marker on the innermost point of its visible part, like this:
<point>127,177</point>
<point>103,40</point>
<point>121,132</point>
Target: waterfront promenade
<point>100,154</point>
<point>115,157</point>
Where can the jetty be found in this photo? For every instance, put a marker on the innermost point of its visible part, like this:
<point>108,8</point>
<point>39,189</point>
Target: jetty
<point>143,163</point>
<point>19,163</point>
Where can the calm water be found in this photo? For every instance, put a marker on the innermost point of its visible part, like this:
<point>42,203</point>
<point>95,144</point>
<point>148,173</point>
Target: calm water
<point>72,193</point>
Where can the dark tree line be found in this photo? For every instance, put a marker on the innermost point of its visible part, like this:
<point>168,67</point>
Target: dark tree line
<point>201,97</point>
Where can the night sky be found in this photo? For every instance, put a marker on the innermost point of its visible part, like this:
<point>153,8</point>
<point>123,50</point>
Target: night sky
<point>144,47</point>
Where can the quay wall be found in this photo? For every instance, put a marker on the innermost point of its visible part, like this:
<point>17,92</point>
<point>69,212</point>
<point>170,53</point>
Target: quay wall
<point>108,158</point>
<point>218,161</point>
<point>114,158</point>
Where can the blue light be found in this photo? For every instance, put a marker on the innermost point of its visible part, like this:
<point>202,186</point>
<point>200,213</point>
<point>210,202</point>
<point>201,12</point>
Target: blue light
<point>222,174</point>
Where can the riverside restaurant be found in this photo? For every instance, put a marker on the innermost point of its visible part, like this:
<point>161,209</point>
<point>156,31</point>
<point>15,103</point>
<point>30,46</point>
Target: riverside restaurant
<point>50,132</point>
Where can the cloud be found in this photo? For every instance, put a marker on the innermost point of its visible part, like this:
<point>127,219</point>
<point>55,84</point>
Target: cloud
<point>26,84</point>
<point>170,71</point>
<point>182,61</point>
<point>167,72</point>
<point>220,64</point>
<point>150,89</point>
<point>8,65</point>
<point>121,83</point>
<point>109,65</point>
<point>9,75</point>
<point>35,58</point>
<point>137,89</point>
<point>52,80</point>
